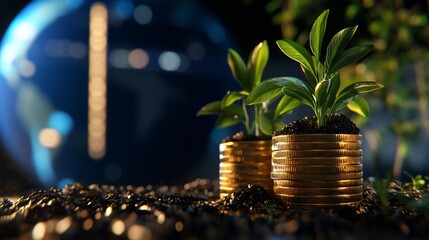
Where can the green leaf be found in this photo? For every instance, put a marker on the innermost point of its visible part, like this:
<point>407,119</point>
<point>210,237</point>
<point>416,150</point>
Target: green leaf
<point>285,105</point>
<point>334,86</point>
<point>231,97</point>
<point>295,88</point>
<point>359,105</point>
<point>357,88</point>
<point>257,62</point>
<point>317,32</point>
<point>215,108</point>
<point>298,53</point>
<point>226,121</point>
<point>349,56</point>
<point>267,124</point>
<point>238,69</point>
<point>337,44</point>
<point>312,82</point>
<point>265,91</point>
<point>321,93</point>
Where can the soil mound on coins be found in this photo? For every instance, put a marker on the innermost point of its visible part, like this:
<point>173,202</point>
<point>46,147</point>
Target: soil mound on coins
<point>338,124</point>
<point>241,136</point>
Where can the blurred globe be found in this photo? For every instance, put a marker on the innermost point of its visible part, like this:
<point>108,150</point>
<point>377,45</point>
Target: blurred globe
<point>107,91</point>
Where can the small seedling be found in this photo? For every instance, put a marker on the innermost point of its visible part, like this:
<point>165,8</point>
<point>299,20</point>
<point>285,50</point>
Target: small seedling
<point>233,109</point>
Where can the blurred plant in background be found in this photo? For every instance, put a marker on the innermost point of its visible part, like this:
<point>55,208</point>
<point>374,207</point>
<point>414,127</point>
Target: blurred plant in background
<point>400,32</point>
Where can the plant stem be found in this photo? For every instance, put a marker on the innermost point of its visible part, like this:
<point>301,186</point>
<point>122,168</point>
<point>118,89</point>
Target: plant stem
<point>257,109</point>
<point>246,116</point>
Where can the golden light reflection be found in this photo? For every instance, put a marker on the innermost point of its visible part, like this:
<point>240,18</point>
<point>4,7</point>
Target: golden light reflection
<point>139,232</point>
<point>50,138</point>
<point>63,225</point>
<point>97,87</point>
<point>118,227</point>
<point>39,231</point>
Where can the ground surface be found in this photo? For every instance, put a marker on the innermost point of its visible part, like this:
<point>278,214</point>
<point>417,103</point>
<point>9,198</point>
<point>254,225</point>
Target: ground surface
<point>193,211</point>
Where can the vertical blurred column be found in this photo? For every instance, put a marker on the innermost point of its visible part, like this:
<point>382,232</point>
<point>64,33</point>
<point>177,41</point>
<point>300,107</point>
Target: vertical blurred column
<point>97,89</point>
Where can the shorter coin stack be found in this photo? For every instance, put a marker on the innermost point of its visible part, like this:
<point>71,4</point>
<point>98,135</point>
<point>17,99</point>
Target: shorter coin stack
<point>243,163</point>
<point>317,169</point>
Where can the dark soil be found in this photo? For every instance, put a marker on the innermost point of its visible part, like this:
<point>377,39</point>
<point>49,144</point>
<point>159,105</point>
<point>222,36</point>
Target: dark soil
<point>192,211</point>
<point>241,136</point>
<point>338,124</point>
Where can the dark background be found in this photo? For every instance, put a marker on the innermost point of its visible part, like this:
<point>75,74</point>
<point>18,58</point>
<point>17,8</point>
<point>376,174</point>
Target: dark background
<point>247,23</point>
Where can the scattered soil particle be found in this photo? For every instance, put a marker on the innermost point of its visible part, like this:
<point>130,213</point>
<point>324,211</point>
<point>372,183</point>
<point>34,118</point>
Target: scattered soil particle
<point>338,124</point>
<point>193,211</point>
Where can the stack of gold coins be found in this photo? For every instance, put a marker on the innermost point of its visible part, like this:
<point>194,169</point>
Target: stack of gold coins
<point>317,169</point>
<point>243,163</point>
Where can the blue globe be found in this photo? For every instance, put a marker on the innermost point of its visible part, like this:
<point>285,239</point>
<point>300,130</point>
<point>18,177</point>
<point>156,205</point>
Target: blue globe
<point>107,91</point>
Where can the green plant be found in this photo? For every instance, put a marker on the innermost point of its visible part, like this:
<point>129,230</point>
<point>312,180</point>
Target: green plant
<point>418,182</point>
<point>232,109</point>
<point>321,90</point>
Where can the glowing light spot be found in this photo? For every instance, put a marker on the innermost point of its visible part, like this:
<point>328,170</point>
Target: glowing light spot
<point>179,226</point>
<point>169,61</point>
<point>138,58</point>
<point>196,51</point>
<point>143,14</point>
<point>112,172</point>
<point>118,227</point>
<point>27,68</point>
<point>61,121</point>
<point>144,208</point>
<point>25,31</point>
<point>119,58</point>
<point>63,225</point>
<point>161,218</point>
<point>39,231</point>
<point>98,24</point>
<point>108,211</point>
<point>98,216</point>
<point>50,138</point>
<point>87,224</point>
<point>139,232</point>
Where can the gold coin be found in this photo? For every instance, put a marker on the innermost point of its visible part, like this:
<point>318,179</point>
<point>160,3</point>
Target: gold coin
<point>263,166</point>
<point>317,191</point>
<point>321,199</point>
<point>317,153</point>
<point>245,144</point>
<point>245,183</point>
<point>325,205</point>
<point>316,169</point>
<point>315,145</point>
<point>245,152</point>
<point>299,161</point>
<point>312,177</point>
<point>244,174</point>
<point>246,159</point>
<point>234,189</point>
<point>318,183</point>
<point>317,138</point>
<point>241,178</point>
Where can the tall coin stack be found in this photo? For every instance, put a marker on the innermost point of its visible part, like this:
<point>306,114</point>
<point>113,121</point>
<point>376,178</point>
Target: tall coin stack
<point>243,163</point>
<point>317,169</point>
